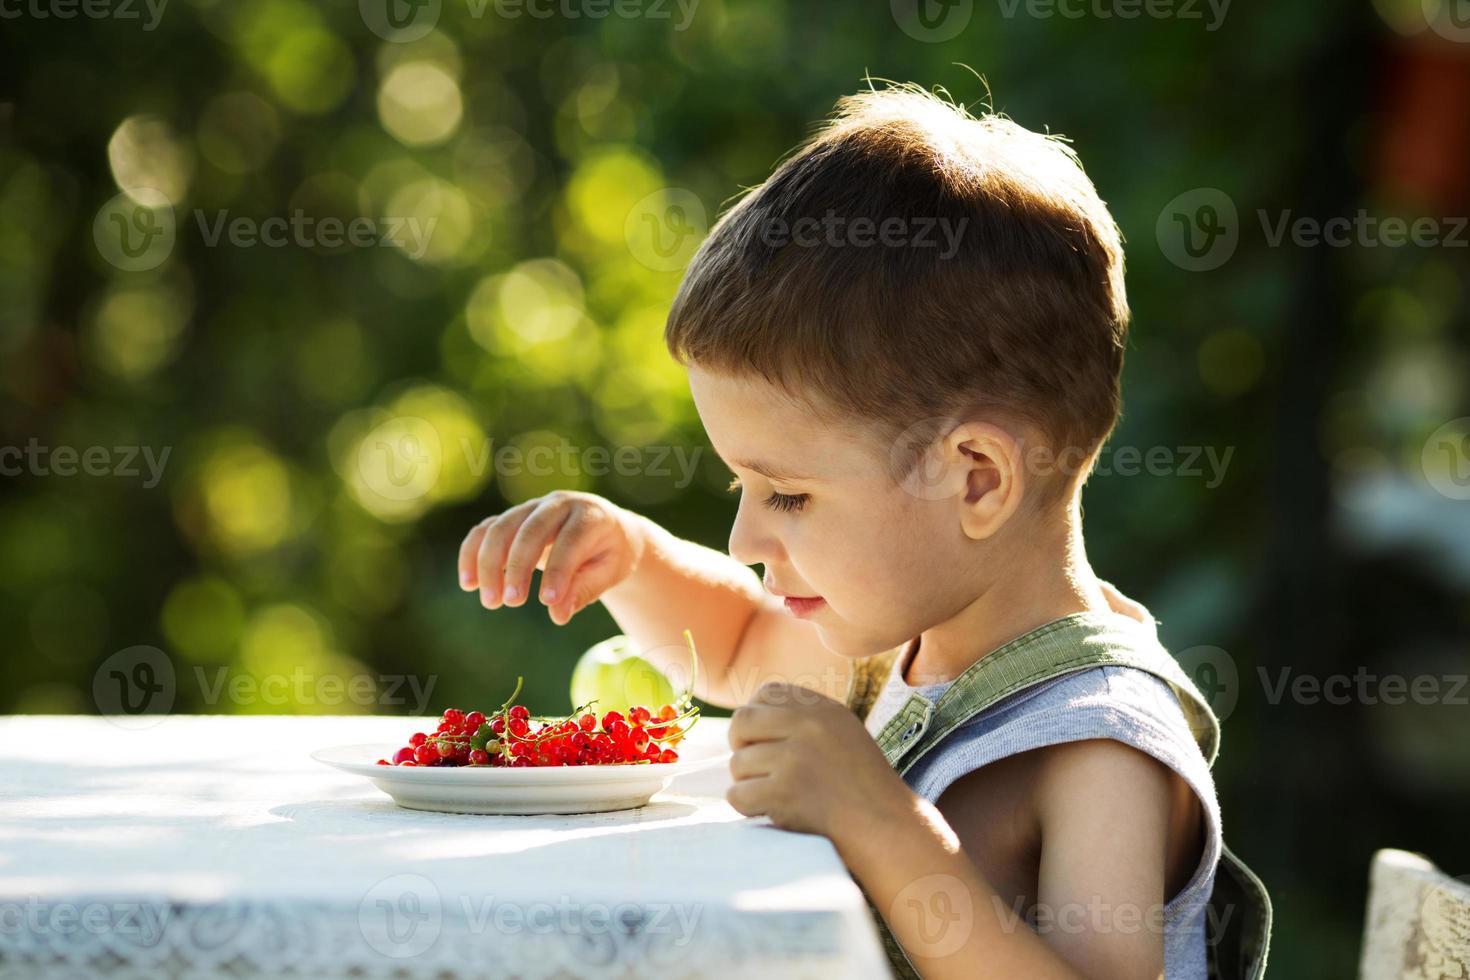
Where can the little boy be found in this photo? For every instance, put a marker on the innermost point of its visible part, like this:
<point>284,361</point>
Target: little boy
<point>907,346</point>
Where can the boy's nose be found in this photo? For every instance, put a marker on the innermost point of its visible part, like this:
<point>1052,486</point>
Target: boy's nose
<point>749,544</point>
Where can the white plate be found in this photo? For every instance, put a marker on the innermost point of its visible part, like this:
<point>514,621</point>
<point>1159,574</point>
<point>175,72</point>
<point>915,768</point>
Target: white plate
<point>529,789</point>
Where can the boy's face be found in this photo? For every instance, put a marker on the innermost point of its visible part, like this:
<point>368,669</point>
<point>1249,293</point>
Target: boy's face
<point>827,519</point>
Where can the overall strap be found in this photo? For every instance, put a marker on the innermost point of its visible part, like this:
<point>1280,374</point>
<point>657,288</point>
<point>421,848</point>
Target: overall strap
<point>1064,646</point>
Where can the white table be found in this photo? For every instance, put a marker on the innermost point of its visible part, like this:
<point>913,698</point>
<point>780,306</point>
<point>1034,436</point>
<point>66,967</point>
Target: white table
<point>214,846</point>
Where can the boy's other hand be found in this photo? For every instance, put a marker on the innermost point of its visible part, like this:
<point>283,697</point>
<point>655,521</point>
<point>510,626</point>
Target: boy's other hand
<point>807,762</point>
<point>583,544</point>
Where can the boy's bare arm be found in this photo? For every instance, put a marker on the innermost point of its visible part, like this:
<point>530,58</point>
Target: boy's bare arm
<point>950,921</point>
<point>743,635</point>
<point>1105,818</point>
<point>1103,808</point>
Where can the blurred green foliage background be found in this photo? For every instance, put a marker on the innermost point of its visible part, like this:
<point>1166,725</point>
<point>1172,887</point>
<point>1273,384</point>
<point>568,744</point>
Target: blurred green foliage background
<point>527,311</point>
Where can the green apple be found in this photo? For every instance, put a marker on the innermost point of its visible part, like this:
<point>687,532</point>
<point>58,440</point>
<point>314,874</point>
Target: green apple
<point>614,674</point>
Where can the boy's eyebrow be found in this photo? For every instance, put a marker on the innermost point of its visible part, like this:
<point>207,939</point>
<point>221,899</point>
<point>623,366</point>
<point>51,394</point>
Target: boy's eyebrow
<point>768,471</point>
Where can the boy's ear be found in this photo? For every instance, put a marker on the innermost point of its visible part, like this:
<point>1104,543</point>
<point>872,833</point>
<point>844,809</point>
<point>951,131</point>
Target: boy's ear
<point>991,461</point>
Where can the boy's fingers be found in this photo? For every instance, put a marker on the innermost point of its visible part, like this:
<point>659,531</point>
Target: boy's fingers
<point>755,760</point>
<point>749,797</point>
<point>469,550</point>
<point>490,562</point>
<point>588,583</point>
<point>567,552</point>
<point>530,543</point>
<point>569,602</point>
<point>756,723</point>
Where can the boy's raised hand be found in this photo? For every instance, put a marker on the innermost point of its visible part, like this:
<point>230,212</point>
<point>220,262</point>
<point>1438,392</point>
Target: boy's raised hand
<point>583,544</point>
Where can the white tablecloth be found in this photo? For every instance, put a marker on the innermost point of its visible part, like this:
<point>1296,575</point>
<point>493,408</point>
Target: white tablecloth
<point>214,846</point>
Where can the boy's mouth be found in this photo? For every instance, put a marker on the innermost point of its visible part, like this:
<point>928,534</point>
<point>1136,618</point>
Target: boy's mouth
<point>803,606</point>
<point>799,605</point>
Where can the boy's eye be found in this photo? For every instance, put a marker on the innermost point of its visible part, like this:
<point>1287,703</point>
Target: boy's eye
<point>786,501</point>
<point>776,501</point>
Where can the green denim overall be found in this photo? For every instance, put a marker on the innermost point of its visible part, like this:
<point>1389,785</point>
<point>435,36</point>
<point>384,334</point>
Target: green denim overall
<point>1064,646</point>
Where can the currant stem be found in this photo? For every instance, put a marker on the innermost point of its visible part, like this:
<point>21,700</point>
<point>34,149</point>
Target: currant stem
<point>576,713</point>
<point>511,700</point>
<point>688,695</point>
<point>662,723</point>
<point>504,713</point>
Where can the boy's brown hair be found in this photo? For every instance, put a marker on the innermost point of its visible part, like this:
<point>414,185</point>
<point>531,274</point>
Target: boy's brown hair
<point>911,263</point>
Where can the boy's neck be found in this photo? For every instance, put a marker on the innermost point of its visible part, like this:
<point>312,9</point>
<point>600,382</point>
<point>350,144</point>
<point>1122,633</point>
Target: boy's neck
<point>1040,584</point>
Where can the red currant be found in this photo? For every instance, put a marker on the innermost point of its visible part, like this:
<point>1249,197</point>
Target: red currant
<point>514,737</point>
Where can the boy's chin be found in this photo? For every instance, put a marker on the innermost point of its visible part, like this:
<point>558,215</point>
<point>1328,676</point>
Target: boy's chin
<point>849,645</point>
